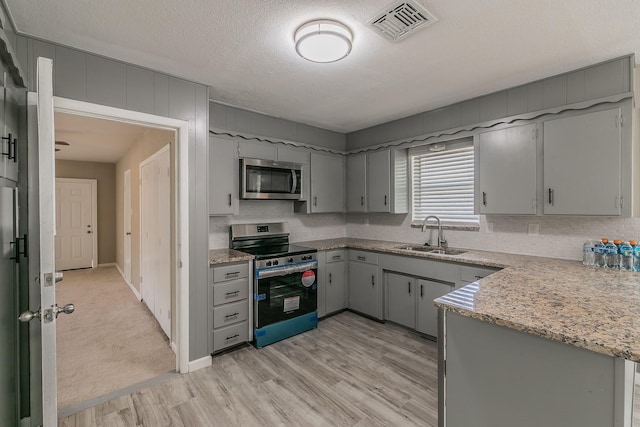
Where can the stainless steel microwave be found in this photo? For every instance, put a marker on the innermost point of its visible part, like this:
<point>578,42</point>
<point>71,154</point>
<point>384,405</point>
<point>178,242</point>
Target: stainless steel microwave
<point>266,179</point>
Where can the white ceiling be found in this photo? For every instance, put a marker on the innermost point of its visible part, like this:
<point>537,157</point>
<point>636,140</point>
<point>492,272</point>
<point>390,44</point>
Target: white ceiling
<point>94,140</point>
<point>244,49</point>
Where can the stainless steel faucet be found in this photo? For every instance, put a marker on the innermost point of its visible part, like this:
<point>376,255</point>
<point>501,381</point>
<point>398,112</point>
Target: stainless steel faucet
<point>441,241</point>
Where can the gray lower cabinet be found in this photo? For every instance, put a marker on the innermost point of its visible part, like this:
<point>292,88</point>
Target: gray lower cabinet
<point>365,288</point>
<point>400,301</point>
<point>336,289</point>
<point>473,273</point>
<point>426,313</point>
<point>229,307</point>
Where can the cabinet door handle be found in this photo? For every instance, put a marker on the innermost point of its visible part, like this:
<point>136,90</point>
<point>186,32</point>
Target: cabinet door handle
<point>373,280</point>
<point>484,199</point>
<point>385,200</point>
<point>361,258</point>
<point>422,291</point>
<point>550,196</point>
<point>409,283</point>
<point>330,279</point>
<point>361,200</point>
<point>229,199</point>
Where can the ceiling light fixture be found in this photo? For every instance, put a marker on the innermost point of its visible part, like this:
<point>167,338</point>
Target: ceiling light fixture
<point>323,41</point>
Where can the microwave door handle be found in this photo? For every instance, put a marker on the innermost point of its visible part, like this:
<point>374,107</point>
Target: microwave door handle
<point>294,180</point>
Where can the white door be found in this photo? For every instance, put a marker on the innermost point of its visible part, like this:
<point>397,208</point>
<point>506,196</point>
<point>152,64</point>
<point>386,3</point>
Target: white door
<point>75,223</point>
<point>127,226</point>
<point>45,250</point>
<point>155,236</point>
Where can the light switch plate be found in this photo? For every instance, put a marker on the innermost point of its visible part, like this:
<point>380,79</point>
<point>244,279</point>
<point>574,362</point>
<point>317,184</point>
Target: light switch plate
<point>534,229</point>
<point>489,227</point>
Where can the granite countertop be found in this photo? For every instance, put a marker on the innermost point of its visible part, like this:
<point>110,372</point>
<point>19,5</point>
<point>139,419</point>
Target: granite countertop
<point>221,256</point>
<point>594,309</point>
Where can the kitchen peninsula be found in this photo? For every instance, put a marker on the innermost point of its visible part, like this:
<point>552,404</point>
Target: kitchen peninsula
<point>541,342</point>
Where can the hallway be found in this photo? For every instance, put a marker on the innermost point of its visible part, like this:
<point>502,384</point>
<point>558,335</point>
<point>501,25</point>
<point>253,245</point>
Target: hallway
<point>111,341</point>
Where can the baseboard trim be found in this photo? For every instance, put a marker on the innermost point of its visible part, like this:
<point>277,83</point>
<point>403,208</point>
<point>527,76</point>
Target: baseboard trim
<point>203,362</point>
<point>107,264</point>
<point>134,290</point>
<point>25,422</point>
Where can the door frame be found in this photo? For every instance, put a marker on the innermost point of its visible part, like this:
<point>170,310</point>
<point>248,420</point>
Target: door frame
<point>94,213</point>
<point>126,194</point>
<point>142,164</point>
<point>180,182</point>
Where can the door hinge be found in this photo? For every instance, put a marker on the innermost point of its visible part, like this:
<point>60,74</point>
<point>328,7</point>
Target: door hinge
<point>169,314</point>
<point>140,279</point>
<point>619,120</point>
<point>621,201</point>
<point>534,134</point>
<point>444,367</point>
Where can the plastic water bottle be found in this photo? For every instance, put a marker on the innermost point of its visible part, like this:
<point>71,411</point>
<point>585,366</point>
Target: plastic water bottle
<point>588,253</point>
<point>636,258</point>
<point>611,256</point>
<point>626,256</point>
<point>599,253</point>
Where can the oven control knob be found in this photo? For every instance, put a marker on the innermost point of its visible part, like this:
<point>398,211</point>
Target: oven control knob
<point>275,262</point>
<point>290,259</point>
<point>303,257</point>
<point>268,263</point>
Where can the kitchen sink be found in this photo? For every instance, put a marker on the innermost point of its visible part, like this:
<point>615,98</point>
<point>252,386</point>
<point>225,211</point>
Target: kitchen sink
<point>432,249</point>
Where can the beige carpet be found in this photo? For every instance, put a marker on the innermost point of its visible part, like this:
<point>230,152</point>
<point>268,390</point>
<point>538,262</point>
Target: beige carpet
<point>111,341</point>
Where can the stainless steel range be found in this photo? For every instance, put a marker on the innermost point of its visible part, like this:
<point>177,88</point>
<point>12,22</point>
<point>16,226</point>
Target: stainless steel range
<point>285,284</point>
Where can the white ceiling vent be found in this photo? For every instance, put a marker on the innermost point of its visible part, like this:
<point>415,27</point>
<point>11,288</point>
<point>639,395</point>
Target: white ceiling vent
<point>402,19</point>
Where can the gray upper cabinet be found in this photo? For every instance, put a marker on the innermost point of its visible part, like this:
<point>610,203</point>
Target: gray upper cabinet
<point>223,176</point>
<point>11,137</point>
<point>357,183</point>
<point>582,164</point>
<point>257,150</point>
<point>327,183</point>
<point>378,182</point>
<point>507,171</point>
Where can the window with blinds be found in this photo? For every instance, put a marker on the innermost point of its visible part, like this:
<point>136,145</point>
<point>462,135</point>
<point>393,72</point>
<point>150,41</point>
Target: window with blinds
<point>442,182</point>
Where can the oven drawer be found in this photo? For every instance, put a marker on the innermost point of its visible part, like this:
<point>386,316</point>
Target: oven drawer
<point>229,314</point>
<point>232,291</point>
<point>230,272</point>
<point>230,335</point>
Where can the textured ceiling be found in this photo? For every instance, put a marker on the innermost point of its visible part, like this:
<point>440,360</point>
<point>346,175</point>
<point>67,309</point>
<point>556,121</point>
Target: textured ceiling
<point>94,140</point>
<point>244,50</point>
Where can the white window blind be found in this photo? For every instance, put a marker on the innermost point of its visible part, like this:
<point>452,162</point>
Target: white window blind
<point>443,182</point>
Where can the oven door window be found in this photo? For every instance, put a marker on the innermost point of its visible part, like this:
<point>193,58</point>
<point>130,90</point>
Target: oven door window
<point>285,297</point>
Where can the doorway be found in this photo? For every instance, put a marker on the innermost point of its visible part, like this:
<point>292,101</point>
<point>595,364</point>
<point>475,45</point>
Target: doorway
<point>174,297</point>
<point>76,218</point>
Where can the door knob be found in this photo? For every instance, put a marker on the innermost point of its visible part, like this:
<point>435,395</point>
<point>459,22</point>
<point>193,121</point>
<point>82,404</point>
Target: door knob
<point>67,309</point>
<point>58,276</point>
<point>28,316</point>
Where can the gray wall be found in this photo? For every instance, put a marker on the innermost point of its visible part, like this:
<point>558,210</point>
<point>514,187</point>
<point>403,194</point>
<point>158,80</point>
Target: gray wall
<point>607,79</point>
<point>248,122</point>
<point>87,77</point>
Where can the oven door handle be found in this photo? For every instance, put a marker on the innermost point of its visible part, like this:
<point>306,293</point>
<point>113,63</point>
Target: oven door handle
<point>286,270</point>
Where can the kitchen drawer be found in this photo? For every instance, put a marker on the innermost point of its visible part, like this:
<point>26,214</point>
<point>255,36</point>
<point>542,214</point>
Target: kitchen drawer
<point>335,256</point>
<point>230,272</point>
<point>472,273</point>
<point>229,314</point>
<point>232,291</point>
<point>366,257</point>
<point>230,335</point>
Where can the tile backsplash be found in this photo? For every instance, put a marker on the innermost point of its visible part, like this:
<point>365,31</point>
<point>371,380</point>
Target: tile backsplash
<point>558,237</point>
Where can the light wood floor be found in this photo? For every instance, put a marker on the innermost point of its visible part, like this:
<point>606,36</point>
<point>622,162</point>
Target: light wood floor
<point>351,371</point>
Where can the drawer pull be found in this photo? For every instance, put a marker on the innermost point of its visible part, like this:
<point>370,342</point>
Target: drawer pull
<point>478,277</point>
<point>361,258</point>
<point>337,257</point>
<point>373,280</point>
<point>228,294</point>
<point>232,337</point>
<point>232,273</point>
<point>231,315</point>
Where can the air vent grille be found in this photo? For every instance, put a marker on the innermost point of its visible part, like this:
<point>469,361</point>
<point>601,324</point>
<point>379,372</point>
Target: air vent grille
<point>402,19</point>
